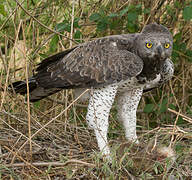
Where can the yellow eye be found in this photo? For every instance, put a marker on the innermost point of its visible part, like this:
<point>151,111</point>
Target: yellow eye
<point>149,45</point>
<point>167,45</point>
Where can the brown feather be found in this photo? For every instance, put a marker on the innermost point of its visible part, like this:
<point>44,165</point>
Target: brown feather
<point>93,64</point>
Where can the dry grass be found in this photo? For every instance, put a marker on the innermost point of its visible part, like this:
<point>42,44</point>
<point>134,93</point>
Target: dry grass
<point>50,139</point>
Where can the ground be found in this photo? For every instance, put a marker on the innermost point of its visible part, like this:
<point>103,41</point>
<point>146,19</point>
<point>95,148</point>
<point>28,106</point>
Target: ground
<point>66,148</point>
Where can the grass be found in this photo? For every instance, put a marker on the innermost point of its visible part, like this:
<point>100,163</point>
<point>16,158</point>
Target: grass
<point>50,138</point>
<point>69,149</point>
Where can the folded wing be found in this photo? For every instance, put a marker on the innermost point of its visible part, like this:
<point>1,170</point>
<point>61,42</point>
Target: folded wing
<point>93,64</point>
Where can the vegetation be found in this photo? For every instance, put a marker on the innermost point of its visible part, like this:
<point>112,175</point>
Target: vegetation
<point>50,139</point>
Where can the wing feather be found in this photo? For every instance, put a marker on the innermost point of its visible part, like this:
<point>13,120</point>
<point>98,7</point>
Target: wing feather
<point>92,64</point>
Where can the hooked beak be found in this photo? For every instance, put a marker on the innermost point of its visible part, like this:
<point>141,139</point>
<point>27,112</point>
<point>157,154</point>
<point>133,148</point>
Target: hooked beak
<point>160,52</point>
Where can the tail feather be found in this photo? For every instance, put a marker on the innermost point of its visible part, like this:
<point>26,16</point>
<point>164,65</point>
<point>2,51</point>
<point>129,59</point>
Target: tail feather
<point>40,93</point>
<point>35,91</point>
<point>21,86</point>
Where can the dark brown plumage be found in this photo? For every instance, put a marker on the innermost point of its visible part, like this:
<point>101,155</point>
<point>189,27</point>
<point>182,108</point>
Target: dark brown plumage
<point>93,64</point>
<point>96,63</point>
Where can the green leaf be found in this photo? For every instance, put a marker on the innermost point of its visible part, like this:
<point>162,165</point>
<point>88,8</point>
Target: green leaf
<point>163,107</point>
<point>36,104</point>
<point>43,56</point>
<point>53,43</point>
<point>95,17</point>
<point>165,101</point>
<point>138,6</point>
<point>76,23</point>
<point>131,27</point>
<point>178,37</point>
<point>182,47</point>
<point>132,7</point>
<point>179,148</point>
<point>132,16</point>
<point>102,12</point>
<point>77,35</point>
<point>64,26</point>
<point>177,4</point>
<point>115,24</point>
<point>180,121</point>
<point>155,169</point>
<point>2,10</point>
<point>102,26</point>
<point>146,11</point>
<point>187,13</point>
<point>124,11</point>
<point>175,53</point>
<point>170,10</point>
<point>113,15</point>
<point>172,106</point>
<point>148,108</point>
<point>189,54</point>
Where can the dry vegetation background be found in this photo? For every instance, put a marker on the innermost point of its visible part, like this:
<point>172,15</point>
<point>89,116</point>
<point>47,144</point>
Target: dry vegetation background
<point>50,139</point>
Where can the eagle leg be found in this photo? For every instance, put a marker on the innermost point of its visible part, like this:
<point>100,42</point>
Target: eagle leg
<point>127,107</point>
<point>100,102</point>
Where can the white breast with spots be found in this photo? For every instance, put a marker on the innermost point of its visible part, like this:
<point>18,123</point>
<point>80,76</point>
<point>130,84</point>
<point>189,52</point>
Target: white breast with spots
<point>123,86</point>
<point>133,83</point>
